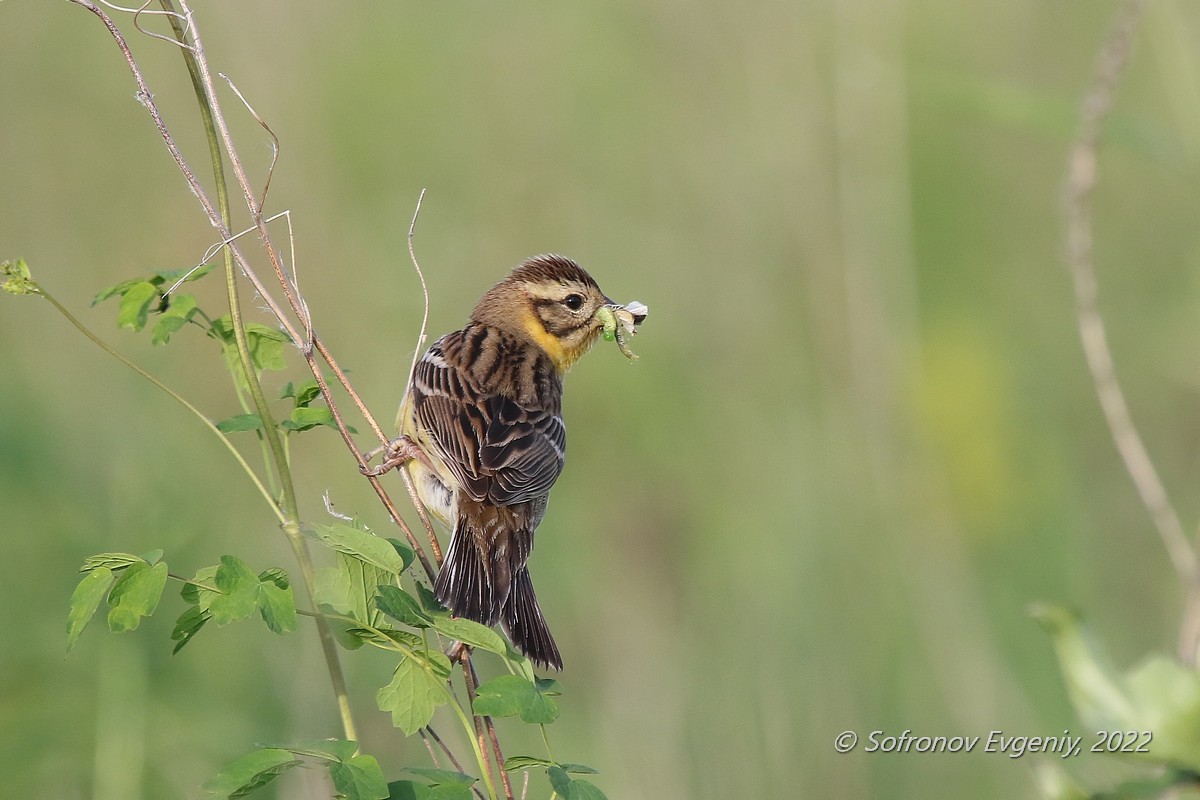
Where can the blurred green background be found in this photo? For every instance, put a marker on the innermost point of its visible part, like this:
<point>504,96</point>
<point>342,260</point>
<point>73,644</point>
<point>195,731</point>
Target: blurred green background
<point>860,440</point>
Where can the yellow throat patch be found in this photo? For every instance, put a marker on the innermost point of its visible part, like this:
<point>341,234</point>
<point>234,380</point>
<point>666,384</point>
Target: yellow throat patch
<point>551,344</point>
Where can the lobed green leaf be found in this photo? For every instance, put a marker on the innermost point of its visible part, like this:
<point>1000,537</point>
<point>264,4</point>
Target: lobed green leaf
<point>509,695</point>
<point>412,696</point>
<point>238,588</point>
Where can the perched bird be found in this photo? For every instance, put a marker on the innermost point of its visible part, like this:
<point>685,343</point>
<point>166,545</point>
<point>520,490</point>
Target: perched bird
<point>485,412</point>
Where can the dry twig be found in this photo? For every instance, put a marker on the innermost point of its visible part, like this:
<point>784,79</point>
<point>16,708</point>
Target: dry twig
<point>1081,181</point>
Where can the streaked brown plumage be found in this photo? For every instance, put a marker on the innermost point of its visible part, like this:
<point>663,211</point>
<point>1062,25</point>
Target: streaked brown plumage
<point>485,408</point>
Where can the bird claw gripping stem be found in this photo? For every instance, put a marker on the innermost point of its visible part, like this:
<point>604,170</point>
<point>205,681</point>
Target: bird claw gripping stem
<point>619,320</point>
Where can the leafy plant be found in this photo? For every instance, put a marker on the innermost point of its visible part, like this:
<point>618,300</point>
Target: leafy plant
<point>373,591</point>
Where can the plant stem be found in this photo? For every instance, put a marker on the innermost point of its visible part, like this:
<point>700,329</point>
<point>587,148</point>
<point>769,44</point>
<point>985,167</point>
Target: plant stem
<point>290,507</point>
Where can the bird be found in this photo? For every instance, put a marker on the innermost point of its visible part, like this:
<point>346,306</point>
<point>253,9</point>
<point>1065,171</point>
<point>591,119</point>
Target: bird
<point>484,411</point>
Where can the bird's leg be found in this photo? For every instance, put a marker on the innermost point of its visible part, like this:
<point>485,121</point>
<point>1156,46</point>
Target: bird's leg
<point>397,452</point>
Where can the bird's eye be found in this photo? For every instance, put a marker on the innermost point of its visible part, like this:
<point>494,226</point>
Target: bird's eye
<point>573,301</point>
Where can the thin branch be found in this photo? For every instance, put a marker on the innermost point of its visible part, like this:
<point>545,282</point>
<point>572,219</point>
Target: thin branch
<point>1081,182</point>
<point>471,680</point>
<point>262,198</point>
<point>428,732</point>
<point>422,513</point>
<point>469,666</point>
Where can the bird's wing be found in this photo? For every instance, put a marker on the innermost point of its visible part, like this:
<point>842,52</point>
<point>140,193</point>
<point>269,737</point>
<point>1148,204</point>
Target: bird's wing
<point>496,449</point>
<point>523,450</point>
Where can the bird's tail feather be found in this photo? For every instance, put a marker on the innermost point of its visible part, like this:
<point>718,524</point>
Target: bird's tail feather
<point>525,625</point>
<point>494,586</point>
<point>465,583</point>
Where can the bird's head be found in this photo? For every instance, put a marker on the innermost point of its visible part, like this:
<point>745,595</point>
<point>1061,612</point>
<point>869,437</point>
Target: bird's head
<point>551,302</point>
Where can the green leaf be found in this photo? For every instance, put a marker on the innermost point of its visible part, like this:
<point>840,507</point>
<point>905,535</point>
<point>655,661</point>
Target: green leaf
<point>515,763</point>
<point>152,557</point>
<point>331,588</point>
<point>510,695</point>
<point>304,418</point>
<point>580,769</point>
<point>1160,697</point>
<point>572,789</point>
<point>407,790</point>
<point>328,749</point>
<point>113,561</point>
<point>17,278</point>
<point>303,394</point>
<point>1093,686</point>
<point>559,780</point>
<point>471,633</point>
<point>250,772</point>
<point>360,778</point>
<point>1167,698</point>
<point>504,696</point>
<point>266,347</point>
<point>585,790</point>
<point>135,305</point>
<point>412,696</point>
<point>238,587</point>
<point>443,777</point>
<point>116,289</point>
<point>277,606</point>
<point>363,545</point>
<point>275,575</point>
<point>188,625</point>
<point>406,553</point>
<point>200,595</point>
<point>187,274</point>
<point>241,422</point>
<point>135,595</point>
<point>401,606</point>
<point>429,601</point>
<point>180,309</point>
<point>85,600</point>
<point>411,790</point>
<point>385,638</point>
